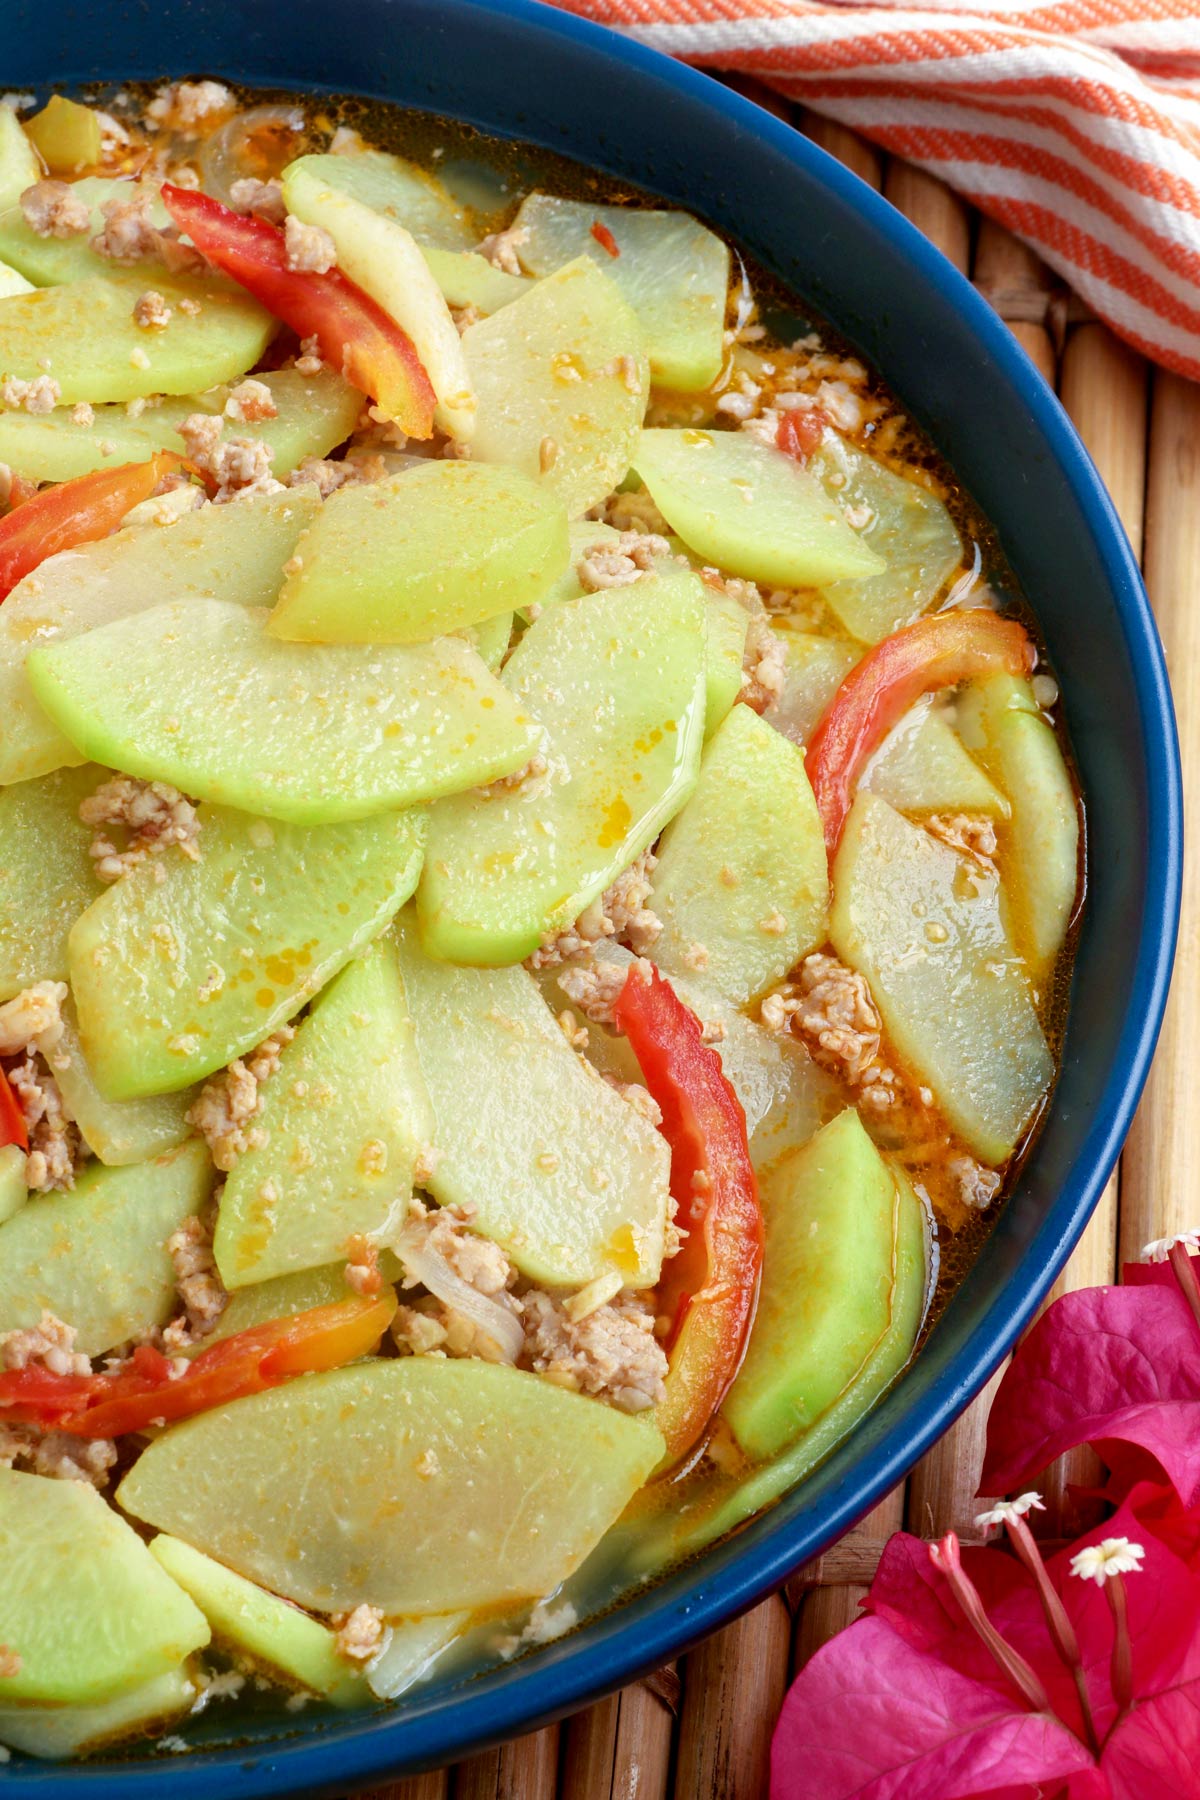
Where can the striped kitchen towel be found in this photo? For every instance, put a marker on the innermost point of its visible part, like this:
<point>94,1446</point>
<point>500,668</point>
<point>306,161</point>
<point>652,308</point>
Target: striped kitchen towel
<point>1075,124</point>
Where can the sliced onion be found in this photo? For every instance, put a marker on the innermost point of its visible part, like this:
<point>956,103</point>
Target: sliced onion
<point>259,143</point>
<point>410,1649</point>
<point>429,1267</point>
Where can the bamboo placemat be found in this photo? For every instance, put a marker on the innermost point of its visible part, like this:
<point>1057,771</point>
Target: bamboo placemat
<point>703,1731</point>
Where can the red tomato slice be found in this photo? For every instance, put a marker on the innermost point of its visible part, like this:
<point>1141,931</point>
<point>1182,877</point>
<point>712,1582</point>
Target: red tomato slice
<point>936,652</point>
<point>143,1392</point>
<point>12,1119</point>
<point>710,1288</point>
<point>798,433</point>
<point>75,512</point>
<point>356,336</point>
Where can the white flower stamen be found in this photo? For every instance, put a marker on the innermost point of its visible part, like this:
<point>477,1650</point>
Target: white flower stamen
<point>1007,1512</point>
<point>1114,1556</point>
<point>1160,1249</point>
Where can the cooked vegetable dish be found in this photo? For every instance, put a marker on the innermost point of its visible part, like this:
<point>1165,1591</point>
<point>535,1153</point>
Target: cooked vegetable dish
<point>537,864</point>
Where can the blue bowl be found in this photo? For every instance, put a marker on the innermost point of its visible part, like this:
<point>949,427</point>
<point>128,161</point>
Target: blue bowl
<point>520,70</point>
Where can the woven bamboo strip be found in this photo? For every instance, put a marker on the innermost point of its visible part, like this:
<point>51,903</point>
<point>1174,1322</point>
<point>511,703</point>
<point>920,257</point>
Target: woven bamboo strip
<point>1020,287</point>
<point>1103,388</point>
<point>941,1489</point>
<point>620,1749</point>
<point>846,146</point>
<point>933,209</point>
<point>733,1688</point>
<point>526,1769</point>
<point>1163,1152</point>
<point>827,1611</point>
<point>433,1786</point>
<point>827,1591</point>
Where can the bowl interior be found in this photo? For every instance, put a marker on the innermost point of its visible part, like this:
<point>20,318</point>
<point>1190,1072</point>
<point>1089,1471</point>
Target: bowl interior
<point>517,69</point>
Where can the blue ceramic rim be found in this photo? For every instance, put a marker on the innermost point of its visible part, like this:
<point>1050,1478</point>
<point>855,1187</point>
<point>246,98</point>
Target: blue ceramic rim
<point>697,1599</point>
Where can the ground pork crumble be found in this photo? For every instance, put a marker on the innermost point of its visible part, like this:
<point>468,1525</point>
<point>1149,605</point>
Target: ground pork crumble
<point>764,665</point>
<point>748,594</point>
<point>620,912</point>
<point>610,1352</point>
<point>633,511</point>
<point>151,312</point>
<point>972,834</point>
<point>250,401</point>
<point>594,987</point>
<point>54,209</point>
<point>32,1017</point>
<point>309,361</point>
<point>31,1027</point>
<point>129,235</point>
<point>525,780</point>
<point>152,816</point>
<point>500,248</point>
<point>309,248</point>
<point>50,1345</point>
<point>225,1686</point>
<point>758,393</point>
<point>360,1633</point>
<point>41,395</point>
<point>431,1328</point>
<point>197,1282</point>
<point>357,469</point>
<point>599,1341</point>
<point>241,465</point>
<point>976,1186</point>
<point>186,106</point>
<point>56,1146</point>
<point>830,1007</point>
<point>263,199</point>
<point>231,1100</point>
<point>57,1454</point>
<point>635,1095</point>
<point>362,1267</point>
<point>608,565</point>
<point>545,1623</point>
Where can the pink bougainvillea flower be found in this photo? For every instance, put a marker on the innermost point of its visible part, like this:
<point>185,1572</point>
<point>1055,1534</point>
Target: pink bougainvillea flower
<point>873,1717</point>
<point>1159,1511</point>
<point>1118,1368</point>
<point>917,1702</point>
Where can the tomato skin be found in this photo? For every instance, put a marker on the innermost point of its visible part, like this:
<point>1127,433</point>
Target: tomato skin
<point>798,433</point>
<point>144,1392</point>
<point>356,336</point>
<point>939,651</point>
<point>12,1119</point>
<point>710,1288</point>
<point>75,512</point>
<point>34,1396</point>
